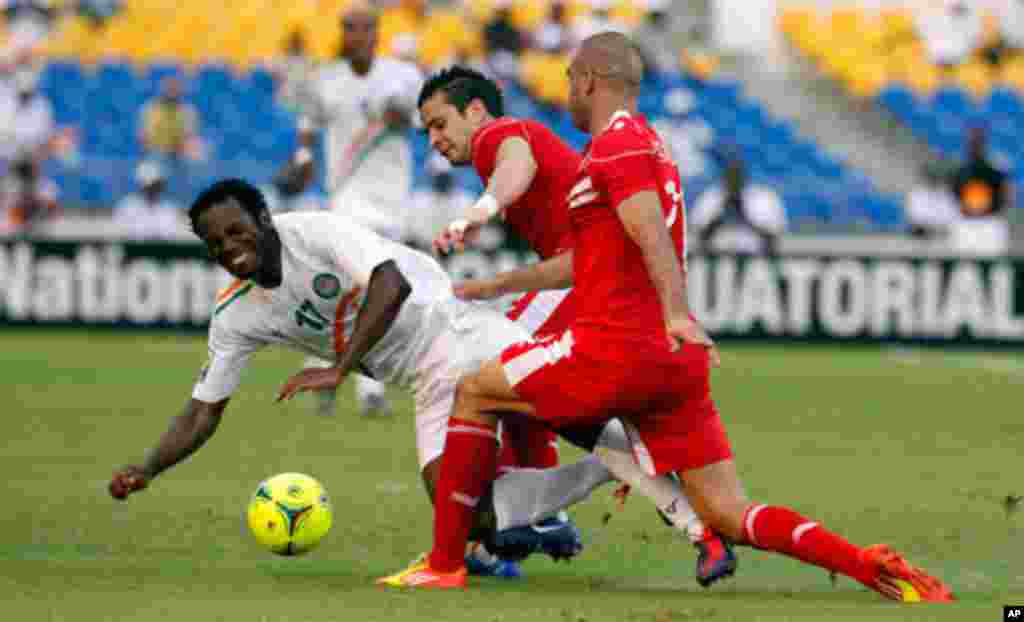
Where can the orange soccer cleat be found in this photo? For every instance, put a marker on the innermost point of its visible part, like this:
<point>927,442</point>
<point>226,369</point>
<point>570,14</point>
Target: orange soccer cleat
<point>420,574</point>
<point>899,580</point>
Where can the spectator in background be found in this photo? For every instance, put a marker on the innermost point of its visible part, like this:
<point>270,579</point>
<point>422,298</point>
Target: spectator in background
<point>951,30</point>
<point>984,193</point>
<point>26,119</point>
<point>503,41</point>
<point>28,25</point>
<point>434,208</point>
<point>26,198</point>
<point>931,207</point>
<point>169,125</point>
<point>292,189</point>
<point>98,11</point>
<point>739,217</point>
<point>294,74</point>
<point>500,34</point>
<point>148,214</point>
<point>654,38</point>
<point>1009,15</point>
<point>555,34</point>
<point>599,20</point>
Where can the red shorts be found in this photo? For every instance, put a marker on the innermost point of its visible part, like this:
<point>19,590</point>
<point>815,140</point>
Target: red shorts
<point>544,312</point>
<point>585,377</point>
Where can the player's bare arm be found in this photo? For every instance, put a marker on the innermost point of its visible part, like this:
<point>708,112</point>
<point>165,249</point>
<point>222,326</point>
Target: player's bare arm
<point>642,218</point>
<point>187,433</point>
<point>514,171</point>
<point>553,273</point>
<point>385,294</point>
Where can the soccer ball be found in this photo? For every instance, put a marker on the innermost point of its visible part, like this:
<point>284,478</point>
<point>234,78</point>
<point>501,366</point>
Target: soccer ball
<point>289,513</point>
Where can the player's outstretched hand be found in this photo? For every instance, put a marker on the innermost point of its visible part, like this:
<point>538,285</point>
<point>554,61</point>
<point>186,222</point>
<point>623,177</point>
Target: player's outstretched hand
<point>455,236</point>
<point>687,330</point>
<point>126,481</point>
<point>311,380</point>
<point>477,289</point>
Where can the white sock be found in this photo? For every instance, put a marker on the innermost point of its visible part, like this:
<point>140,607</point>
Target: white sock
<point>615,452</point>
<point>525,496</point>
<point>367,387</point>
<point>315,362</point>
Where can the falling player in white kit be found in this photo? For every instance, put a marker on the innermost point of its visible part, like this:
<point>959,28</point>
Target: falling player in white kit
<point>366,104</point>
<point>317,283</point>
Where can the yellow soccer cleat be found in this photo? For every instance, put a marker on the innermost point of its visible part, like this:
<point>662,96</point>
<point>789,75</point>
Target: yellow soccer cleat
<point>901,581</point>
<point>420,574</point>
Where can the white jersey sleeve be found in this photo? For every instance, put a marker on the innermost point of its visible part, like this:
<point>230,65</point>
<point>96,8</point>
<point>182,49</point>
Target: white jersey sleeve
<point>354,249</point>
<point>229,353</point>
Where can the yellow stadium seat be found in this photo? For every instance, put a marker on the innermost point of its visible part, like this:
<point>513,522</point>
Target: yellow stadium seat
<point>528,15</point>
<point>846,22</point>
<point>793,19</point>
<point>545,77</point>
<point>394,22</point>
<point>868,79</point>
<point>701,65</point>
<point>628,12</point>
<point>1012,74</point>
<point>898,23</point>
<point>444,35</point>
<point>923,78</point>
<point>975,77</point>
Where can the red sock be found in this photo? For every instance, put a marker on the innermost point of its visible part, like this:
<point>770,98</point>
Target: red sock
<point>540,446</point>
<point>784,531</point>
<point>526,444</point>
<point>508,455</point>
<point>467,466</point>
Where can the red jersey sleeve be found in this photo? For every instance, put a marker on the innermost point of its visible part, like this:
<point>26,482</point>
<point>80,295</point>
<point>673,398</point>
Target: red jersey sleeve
<point>487,141</point>
<point>623,163</point>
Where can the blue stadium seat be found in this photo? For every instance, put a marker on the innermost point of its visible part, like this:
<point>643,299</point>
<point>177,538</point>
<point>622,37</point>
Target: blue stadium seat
<point>251,136</point>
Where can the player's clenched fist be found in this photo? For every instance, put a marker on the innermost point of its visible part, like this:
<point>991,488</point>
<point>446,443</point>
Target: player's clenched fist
<point>126,481</point>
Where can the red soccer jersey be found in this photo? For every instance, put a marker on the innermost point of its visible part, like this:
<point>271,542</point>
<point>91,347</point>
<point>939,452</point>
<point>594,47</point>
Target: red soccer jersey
<point>613,287</point>
<point>539,216</point>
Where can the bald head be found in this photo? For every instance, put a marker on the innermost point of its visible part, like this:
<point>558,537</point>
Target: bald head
<point>359,36</point>
<point>613,58</point>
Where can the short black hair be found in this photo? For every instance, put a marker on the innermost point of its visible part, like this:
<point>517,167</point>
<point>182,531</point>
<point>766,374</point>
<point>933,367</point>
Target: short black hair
<point>248,196</point>
<point>461,85</point>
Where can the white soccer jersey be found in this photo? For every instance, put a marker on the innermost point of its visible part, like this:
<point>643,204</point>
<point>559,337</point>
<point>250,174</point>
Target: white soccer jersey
<point>369,167</point>
<point>327,262</point>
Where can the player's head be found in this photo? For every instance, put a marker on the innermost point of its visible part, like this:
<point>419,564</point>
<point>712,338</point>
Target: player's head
<point>453,104</point>
<point>607,70</point>
<point>359,34</point>
<point>231,217</point>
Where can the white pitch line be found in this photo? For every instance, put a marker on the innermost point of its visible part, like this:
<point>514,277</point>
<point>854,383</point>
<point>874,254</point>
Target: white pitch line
<point>993,364</point>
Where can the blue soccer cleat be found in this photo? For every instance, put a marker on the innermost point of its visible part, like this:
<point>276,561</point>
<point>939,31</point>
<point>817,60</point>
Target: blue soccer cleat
<point>482,563</point>
<point>715,559</point>
<point>556,536</point>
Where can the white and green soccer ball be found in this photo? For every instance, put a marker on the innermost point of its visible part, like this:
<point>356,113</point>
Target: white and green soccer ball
<point>289,513</point>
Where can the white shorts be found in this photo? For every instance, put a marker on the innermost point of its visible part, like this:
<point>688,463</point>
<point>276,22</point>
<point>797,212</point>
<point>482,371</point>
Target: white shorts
<point>478,335</point>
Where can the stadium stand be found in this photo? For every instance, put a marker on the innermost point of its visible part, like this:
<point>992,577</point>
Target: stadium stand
<point>99,77</point>
<point>880,56</point>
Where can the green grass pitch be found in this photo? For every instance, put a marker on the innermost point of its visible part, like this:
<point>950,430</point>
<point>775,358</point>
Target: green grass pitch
<point>917,449</point>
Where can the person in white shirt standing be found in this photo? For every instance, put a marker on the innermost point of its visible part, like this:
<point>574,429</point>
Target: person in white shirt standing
<point>26,118</point>
<point>366,105</point>
<point>148,214</point>
<point>739,217</point>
